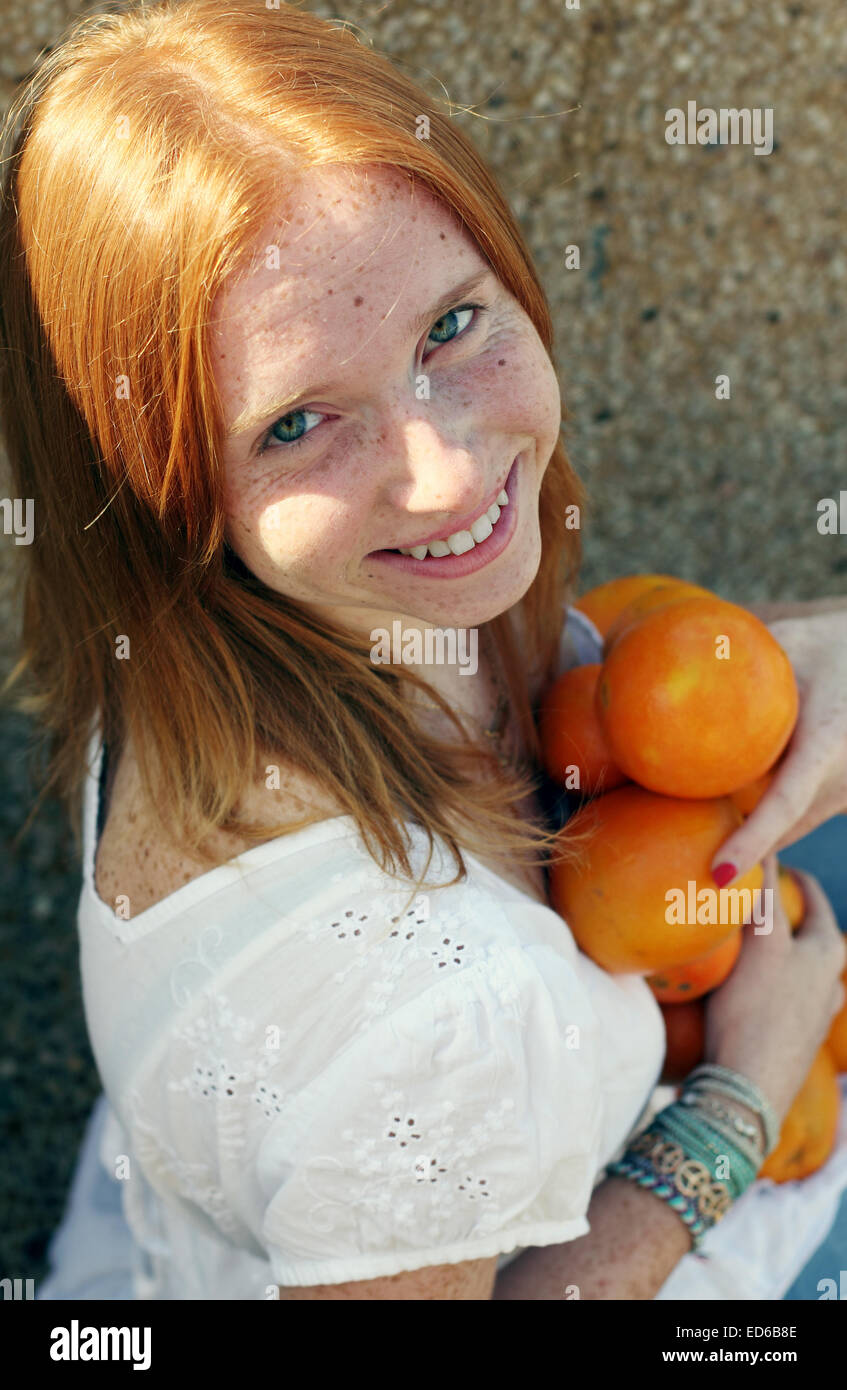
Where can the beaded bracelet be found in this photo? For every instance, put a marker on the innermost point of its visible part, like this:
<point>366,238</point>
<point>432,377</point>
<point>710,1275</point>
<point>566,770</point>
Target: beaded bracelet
<point>744,1136</point>
<point>698,1094</point>
<point>700,1115</point>
<point>656,1160</point>
<point>701,1091</point>
<point>705,1141</point>
<point>707,1136</point>
<point>649,1178</point>
<point>736,1086</point>
<point>670,1148</point>
<point>691,1177</point>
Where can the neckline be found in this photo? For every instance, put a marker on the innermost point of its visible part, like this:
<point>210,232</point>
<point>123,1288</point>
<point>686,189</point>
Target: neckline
<point>205,884</point>
<point>196,890</point>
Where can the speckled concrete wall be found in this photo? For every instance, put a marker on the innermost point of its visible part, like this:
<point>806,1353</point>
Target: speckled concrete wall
<point>695,261</point>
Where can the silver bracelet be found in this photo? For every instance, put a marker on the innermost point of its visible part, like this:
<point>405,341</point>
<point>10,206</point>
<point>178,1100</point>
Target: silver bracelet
<point>748,1137</point>
<point>738,1087</point>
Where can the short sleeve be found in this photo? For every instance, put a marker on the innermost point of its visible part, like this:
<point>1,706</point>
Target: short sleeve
<point>461,1126</point>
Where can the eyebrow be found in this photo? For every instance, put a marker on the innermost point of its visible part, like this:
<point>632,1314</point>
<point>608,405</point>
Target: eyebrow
<point>249,420</point>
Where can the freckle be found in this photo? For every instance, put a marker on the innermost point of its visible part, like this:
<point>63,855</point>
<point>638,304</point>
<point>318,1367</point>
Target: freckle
<point>443,236</point>
<point>358,300</point>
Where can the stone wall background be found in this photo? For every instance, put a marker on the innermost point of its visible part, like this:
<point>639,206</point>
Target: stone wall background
<point>695,261</point>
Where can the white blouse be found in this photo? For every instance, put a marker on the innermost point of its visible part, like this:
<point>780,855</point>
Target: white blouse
<point>313,1076</point>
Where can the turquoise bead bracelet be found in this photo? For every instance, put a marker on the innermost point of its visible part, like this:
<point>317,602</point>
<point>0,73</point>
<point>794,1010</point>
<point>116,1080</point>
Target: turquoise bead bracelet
<point>739,1173</point>
<point>638,1171</point>
<point>704,1125</point>
<point>703,1146</point>
<point>706,1141</point>
<point>746,1135</point>
<point>722,1120</point>
<point>674,1157</point>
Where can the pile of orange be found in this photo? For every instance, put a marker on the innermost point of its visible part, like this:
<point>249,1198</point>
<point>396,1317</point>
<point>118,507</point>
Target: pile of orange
<point>671,741</point>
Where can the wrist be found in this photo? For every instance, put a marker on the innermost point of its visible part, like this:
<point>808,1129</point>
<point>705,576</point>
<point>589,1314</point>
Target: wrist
<point>744,1112</point>
<point>742,1088</point>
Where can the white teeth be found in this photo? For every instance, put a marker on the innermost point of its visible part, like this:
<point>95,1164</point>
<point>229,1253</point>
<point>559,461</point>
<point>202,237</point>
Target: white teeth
<point>460,542</point>
<point>481,529</point>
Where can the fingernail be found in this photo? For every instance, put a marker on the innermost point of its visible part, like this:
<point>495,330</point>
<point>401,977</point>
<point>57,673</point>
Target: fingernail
<point>722,873</point>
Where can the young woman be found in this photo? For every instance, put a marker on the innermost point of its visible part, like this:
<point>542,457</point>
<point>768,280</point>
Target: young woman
<point>277,376</point>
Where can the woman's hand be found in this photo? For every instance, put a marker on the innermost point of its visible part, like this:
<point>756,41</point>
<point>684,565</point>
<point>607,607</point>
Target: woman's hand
<point>810,784</point>
<point>770,1016</point>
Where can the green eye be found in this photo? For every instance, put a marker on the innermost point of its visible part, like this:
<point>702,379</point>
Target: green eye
<point>448,326</point>
<point>289,430</point>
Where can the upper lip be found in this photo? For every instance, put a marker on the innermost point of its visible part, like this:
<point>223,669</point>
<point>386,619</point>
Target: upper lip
<point>465,523</point>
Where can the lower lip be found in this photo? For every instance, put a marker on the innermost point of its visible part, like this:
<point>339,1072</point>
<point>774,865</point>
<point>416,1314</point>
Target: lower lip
<point>457,566</point>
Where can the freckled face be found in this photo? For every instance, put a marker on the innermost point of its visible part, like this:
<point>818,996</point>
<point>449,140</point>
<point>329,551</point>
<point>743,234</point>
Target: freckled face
<point>371,408</point>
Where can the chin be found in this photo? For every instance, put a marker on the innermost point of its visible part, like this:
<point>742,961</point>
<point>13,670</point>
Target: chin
<point>494,594</point>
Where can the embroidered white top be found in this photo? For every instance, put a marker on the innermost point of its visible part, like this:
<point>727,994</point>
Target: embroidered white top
<point>313,1078</point>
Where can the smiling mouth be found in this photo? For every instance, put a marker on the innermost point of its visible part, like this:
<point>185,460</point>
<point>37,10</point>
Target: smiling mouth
<point>460,542</point>
<point>465,538</point>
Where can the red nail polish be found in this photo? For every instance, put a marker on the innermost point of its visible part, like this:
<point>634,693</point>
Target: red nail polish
<point>723,873</point>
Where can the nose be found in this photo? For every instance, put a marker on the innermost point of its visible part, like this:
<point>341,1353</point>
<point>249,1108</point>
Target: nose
<point>433,466</point>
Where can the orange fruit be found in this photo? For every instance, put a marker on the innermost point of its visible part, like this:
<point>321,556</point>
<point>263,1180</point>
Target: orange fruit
<point>807,1136</point>
<point>603,603</point>
<point>571,736</point>
<point>685,1039</point>
<point>697,699</point>
<point>791,896</point>
<point>660,596</point>
<point>836,1038</point>
<point>695,978</point>
<point>748,797</point>
<point>643,862</point>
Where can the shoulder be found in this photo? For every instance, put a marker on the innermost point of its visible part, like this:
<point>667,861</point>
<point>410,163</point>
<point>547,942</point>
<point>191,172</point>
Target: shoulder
<point>134,857</point>
<point>581,639</point>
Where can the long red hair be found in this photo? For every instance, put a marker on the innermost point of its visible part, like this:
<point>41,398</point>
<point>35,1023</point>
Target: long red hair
<point>144,157</point>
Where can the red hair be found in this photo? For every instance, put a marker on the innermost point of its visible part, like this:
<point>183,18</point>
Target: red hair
<point>146,154</point>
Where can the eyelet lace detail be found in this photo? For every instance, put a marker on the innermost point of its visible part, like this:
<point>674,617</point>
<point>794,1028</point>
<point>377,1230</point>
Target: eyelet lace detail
<point>214,1077</point>
<point>385,938</point>
<point>400,1156</point>
<point>413,1157</point>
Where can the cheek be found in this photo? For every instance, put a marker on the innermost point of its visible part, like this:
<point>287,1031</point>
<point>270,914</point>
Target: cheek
<point>297,532</point>
<point>519,390</point>
<point>538,384</point>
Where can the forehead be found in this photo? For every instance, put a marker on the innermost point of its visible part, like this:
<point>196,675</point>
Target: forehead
<point>351,249</point>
